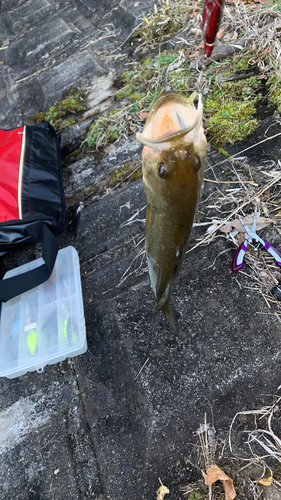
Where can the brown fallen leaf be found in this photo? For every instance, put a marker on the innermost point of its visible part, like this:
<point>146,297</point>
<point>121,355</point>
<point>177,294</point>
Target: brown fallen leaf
<point>261,222</point>
<point>214,473</point>
<point>197,47</point>
<point>265,195</point>
<point>227,228</point>
<point>240,238</point>
<point>187,53</point>
<point>161,492</point>
<point>143,115</point>
<point>278,214</point>
<point>265,51</point>
<point>265,481</point>
<point>195,54</point>
<point>220,33</point>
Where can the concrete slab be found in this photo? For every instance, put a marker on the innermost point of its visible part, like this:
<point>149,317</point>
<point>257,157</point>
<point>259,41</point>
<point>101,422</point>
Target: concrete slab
<point>83,174</point>
<point>37,42</point>
<point>30,12</point>
<point>8,5</point>
<point>10,112</point>
<point>5,30</point>
<point>63,465</point>
<point>79,70</point>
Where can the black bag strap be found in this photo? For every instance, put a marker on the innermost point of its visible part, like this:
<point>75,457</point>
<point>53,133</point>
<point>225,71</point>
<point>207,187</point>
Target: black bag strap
<point>11,287</point>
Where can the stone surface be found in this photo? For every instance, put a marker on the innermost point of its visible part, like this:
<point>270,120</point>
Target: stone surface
<point>272,493</point>
<point>109,423</point>
<point>10,111</point>
<point>81,175</point>
<point>79,71</point>
<point>47,436</point>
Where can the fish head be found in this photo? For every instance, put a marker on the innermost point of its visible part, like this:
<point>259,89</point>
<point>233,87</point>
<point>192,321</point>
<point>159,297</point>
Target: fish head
<point>174,144</point>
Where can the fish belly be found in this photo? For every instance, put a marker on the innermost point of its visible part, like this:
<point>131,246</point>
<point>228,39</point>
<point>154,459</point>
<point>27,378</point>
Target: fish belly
<point>166,236</point>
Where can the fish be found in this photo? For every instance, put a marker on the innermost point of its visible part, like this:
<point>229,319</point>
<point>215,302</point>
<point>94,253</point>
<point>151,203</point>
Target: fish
<point>173,168</point>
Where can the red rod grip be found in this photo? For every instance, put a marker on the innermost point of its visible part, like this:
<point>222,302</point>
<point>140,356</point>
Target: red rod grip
<point>212,15</point>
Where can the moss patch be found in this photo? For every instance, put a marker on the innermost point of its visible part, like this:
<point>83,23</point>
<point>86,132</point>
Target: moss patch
<point>229,108</point>
<point>136,80</point>
<point>230,111</point>
<point>197,495</point>
<point>105,129</point>
<point>274,92</point>
<point>61,115</point>
<point>126,174</point>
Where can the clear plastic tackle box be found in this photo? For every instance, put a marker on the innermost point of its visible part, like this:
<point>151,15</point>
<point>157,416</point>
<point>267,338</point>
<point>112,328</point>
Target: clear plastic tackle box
<point>46,324</point>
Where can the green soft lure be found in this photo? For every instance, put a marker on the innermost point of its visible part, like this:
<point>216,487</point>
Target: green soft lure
<point>70,336</point>
<point>32,341</point>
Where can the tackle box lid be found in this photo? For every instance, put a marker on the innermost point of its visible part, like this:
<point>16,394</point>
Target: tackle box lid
<point>46,324</point>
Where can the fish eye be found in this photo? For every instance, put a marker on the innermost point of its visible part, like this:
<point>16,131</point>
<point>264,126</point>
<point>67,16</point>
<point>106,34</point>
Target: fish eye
<point>162,170</point>
<point>197,162</point>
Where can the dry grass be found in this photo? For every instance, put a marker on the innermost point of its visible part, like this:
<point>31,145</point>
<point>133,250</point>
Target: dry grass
<point>260,451</point>
<point>255,26</point>
<point>253,190</point>
<point>252,455</point>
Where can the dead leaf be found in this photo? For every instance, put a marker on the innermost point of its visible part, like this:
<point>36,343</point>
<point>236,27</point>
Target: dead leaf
<point>266,481</point>
<point>265,195</point>
<point>161,492</point>
<point>220,33</point>
<point>195,54</point>
<point>240,238</point>
<point>278,214</point>
<point>227,228</point>
<point>265,51</point>
<point>214,473</point>
<point>261,222</point>
<point>143,115</point>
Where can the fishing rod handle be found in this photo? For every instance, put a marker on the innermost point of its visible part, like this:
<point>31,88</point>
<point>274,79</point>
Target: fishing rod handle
<point>212,16</point>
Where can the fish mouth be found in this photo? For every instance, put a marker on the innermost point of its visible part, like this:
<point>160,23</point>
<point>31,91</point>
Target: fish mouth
<point>168,121</point>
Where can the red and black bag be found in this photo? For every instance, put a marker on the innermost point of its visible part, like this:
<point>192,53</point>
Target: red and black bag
<point>32,205</point>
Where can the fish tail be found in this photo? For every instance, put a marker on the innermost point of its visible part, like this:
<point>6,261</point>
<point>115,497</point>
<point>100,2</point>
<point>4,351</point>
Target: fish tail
<point>172,316</point>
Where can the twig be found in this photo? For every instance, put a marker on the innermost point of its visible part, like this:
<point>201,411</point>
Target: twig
<point>231,182</point>
<point>141,369</point>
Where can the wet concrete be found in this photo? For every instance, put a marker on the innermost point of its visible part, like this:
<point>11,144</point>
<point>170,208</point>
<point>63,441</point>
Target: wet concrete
<point>93,426</point>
